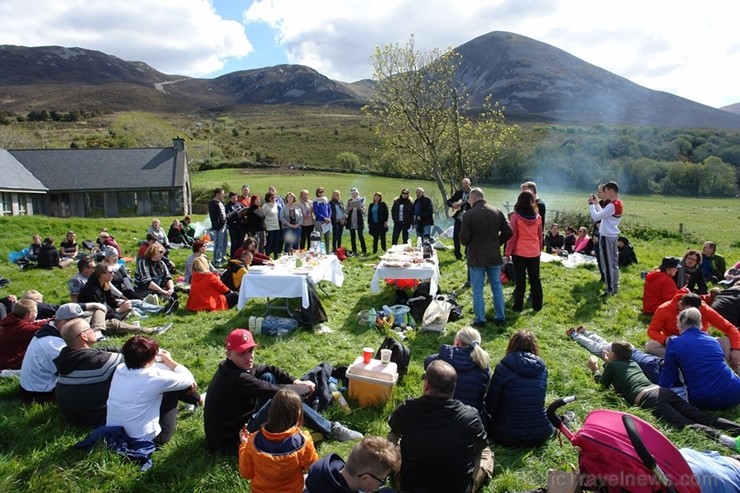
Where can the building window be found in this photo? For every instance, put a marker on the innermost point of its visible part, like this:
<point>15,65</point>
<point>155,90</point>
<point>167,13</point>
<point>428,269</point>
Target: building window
<point>127,204</point>
<point>60,205</point>
<point>160,201</point>
<point>6,204</point>
<point>23,201</point>
<point>94,204</point>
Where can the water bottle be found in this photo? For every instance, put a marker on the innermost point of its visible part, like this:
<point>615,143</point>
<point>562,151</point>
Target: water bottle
<point>338,397</point>
<point>322,249</point>
<point>316,404</point>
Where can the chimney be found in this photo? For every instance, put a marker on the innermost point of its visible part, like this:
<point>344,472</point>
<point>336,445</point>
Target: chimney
<point>178,143</point>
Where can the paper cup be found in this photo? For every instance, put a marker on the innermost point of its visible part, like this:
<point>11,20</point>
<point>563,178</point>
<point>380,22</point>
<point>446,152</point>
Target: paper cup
<point>385,356</point>
<point>367,354</point>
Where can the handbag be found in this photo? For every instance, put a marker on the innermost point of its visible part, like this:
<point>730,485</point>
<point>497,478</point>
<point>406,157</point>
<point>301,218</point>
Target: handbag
<point>436,314</point>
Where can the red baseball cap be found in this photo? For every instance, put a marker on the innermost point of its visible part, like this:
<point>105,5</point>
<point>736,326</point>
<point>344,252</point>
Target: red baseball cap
<point>240,340</point>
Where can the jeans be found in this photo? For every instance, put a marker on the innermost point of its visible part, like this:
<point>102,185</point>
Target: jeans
<point>311,418</point>
<point>273,243</point>
<point>477,280</point>
<point>422,231</point>
<point>219,245</point>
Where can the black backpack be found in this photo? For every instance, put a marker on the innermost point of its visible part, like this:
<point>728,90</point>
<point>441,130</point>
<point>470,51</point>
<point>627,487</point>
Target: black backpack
<point>315,313</point>
<point>400,355</point>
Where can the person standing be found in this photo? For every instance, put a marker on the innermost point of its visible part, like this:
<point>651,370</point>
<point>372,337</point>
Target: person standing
<point>483,230</point>
<point>532,187</point>
<point>610,215</point>
<point>377,221</point>
<point>217,214</point>
<point>308,219</point>
<point>423,214</point>
<point>524,250</point>
<point>322,216</point>
<point>291,218</point>
<point>355,220</point>
<point>337,219</point>
<point>234,210</point>
<point>459,204</point>
<point>402,213</point>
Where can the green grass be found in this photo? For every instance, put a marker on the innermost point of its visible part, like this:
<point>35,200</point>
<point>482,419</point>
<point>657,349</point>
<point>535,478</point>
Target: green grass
<point>35,441</point>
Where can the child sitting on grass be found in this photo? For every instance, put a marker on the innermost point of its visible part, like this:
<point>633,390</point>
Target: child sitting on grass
<point>275,457</point>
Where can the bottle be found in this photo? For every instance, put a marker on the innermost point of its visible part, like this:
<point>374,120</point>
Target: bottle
<point>316,404</point>
<point>339,398</point>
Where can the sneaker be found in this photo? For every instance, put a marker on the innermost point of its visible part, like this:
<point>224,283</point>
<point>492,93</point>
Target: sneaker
<point>161,329</point>
<point>99,336</point>
<point>10,373</point>
<point>170,307</point>
<point>152,299</point>
<point>341,433</point>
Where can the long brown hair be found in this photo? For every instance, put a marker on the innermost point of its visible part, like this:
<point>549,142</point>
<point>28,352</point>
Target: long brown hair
<point>286,411</point>
<point>526,204</point>
<point>524,341</point>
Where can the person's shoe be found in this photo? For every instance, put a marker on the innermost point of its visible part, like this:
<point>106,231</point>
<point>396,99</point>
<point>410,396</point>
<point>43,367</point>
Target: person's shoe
<point>569,333</point>
<point>99,336</point>
<point>341,433</point>
<point>479,323</point>
<point>171,307</point>
<point>500,322</point>
<point>152,299</point>
<point>162,329</point>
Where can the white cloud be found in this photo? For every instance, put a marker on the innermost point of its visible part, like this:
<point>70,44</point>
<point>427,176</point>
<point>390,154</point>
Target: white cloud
<point>174,36</point>
<point>683,47</point>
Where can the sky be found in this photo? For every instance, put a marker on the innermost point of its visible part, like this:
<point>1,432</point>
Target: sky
<point>683,47</point>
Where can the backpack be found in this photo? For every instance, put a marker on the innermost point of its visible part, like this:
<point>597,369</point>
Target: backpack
<point>320,375</point>
<point>315,313</point>
<point>400,355</point>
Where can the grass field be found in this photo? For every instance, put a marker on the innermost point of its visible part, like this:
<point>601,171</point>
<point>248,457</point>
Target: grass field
<point>35,442</point>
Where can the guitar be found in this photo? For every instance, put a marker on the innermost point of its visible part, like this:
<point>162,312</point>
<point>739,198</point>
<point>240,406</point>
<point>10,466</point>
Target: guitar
<point>455,209</point>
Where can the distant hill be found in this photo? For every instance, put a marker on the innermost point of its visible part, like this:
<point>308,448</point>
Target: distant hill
<point>733,108</point>
<point>533,80</point>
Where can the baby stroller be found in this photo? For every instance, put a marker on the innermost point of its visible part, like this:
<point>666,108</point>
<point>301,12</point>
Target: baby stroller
<point>620,453</point>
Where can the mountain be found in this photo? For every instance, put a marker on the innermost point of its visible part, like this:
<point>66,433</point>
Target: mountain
<point>537,81</point>
<point>733,108</point>
<point>533,81</point>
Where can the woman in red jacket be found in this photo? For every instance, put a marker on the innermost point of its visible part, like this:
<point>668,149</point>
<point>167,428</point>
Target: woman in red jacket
<point>660,285</point>
<point>524,250</point>
<point>207,292</point>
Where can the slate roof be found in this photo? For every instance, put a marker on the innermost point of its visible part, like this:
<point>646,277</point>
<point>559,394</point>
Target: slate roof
<point>103,169</point>
<point>14,176</point>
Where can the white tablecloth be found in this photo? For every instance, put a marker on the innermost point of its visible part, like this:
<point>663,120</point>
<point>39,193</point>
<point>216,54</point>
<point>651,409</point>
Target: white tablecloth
<point>424,270</point>
<point>284,281</point>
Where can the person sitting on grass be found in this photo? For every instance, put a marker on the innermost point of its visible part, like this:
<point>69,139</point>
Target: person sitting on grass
<point>727,303</point>
<point>236,269</point>
<point>516,396</point>
<point>16,332</point>
<point>38,373</point>
<point>660,285</point>
<point>713,265</point>
<point>159,233</point>
<point>240,391</point>
<point>199,250</point>
<point>207,292</point>
<point>554,241</point>
<point>732,276</point>
<point>188,231</point>
<point>470,361</point>
<point>276,457</point>
<point>153,276</point>
<point>582,242</point>
<point>48,256</point>
<point>68,248</point>
<point>663,325</point>
<point>699,358</point>
<point>176,234</point>
<point>626,251</point>
<point>258,258</point>
<point>143,394</point>
<point>368,467</point>
<point>631,383</point>
<point>689,274</point>
<point>85,268</point>
<point>85,375</point>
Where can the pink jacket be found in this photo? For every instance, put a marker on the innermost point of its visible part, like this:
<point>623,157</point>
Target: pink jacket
<point>527,238</point>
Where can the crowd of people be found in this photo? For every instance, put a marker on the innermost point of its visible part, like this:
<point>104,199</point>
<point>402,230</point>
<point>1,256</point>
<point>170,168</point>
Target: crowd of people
<point>261,414</point>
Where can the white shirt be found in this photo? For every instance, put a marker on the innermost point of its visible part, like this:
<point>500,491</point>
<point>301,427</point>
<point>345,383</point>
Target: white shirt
<point>38,371</point>
<point>135,396</point>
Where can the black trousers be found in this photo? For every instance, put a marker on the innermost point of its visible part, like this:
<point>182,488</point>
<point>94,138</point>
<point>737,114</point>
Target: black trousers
<point>353,233</point>
<point>527,267</point>
<point>400,229</point>
<point>666,404</point>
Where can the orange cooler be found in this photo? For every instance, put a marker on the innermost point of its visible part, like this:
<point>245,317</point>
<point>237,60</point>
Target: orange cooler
<point>371,384</point>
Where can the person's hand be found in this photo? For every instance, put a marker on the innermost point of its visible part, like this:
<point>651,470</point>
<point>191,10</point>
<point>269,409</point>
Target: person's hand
<point>244,435</point>
<point>306,383</point>
<point>735,358</point>
<point>593,365</point>
<point>12,298</point>
<point>125,306</point>
<point>96,306</point>
<point>605,355</point>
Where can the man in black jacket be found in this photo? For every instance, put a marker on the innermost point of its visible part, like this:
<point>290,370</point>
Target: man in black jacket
<point>84,375</point>
<point>443,441</point>
<point>402,213</point>
<point>240,392</point>
<point>217,214</point>
<point>459,204</point>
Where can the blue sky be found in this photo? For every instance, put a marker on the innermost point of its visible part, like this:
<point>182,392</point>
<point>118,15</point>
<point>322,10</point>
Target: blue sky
<point>683,47</point>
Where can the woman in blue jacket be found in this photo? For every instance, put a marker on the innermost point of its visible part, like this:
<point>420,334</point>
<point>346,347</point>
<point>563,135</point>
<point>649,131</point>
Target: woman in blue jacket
<point>516,397</point>
<point>470,361</point>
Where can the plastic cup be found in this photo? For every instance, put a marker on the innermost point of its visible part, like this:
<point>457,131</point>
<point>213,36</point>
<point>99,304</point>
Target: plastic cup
<point>367,354</point>
<point>385,356</point>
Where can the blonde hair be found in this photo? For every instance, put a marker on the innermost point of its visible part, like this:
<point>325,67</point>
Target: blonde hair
<point>200,264</point>
<point>33,295</point>
<point>468,336</point>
